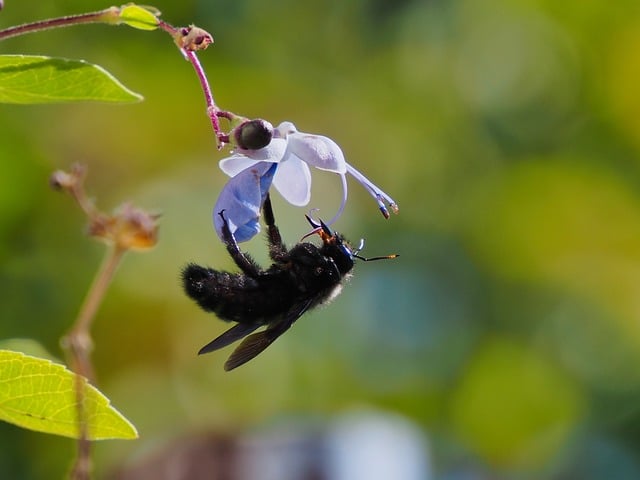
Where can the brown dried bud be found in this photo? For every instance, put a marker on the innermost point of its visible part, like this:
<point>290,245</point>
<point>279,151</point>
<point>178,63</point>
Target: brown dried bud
<point>130,228</point>
<point>61,180</point>
<point>193,38</point>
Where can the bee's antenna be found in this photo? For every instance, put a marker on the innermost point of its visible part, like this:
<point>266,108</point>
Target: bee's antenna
<point>370,259</point>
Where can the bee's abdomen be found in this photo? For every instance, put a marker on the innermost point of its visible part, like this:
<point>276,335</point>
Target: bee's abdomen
<point>231,296</point>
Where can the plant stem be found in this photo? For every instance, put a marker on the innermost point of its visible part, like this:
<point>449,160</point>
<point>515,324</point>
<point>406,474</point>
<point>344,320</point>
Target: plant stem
<point>80,331</point>
<point>78,341</point>
<point>78,345</point>
<point>111,16</point>
<point>213,112</point>
<point>103,16</point>
<point>212,109</point>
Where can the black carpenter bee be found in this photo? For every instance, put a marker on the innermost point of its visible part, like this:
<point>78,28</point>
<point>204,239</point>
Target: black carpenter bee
<point>298,280</point>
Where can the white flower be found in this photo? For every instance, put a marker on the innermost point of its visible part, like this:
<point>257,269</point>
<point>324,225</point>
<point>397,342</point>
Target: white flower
<point>293,152</point>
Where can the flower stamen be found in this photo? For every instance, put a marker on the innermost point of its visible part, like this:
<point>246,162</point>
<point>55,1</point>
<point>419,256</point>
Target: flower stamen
<point>379,195</point>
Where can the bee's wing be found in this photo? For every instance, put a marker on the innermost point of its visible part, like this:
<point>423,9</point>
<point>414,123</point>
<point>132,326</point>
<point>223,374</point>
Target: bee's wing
<point>236,332</point>
<point>256,343</point>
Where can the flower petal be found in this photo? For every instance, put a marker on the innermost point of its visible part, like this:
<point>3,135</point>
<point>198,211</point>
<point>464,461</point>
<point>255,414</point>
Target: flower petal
<point>241,200</point>
<point>293,181</point>
<point>284,130</point>
<point>235,164</point>
<point>319,151</point>
<point>271,153</point>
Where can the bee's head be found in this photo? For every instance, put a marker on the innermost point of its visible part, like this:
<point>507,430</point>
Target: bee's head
<point>334,245</point>
<point>338,248</point>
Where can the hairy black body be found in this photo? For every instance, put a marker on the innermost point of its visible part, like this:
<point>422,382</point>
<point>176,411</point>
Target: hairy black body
<point>298,280</point>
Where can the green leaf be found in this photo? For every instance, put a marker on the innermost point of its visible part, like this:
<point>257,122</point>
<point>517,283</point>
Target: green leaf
<point>38,79</point>
<point>40,395</point>
<point>142,18</point>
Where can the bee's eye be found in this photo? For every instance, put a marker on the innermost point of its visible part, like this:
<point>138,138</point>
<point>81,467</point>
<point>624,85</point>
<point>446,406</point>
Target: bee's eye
<point>346,250</point>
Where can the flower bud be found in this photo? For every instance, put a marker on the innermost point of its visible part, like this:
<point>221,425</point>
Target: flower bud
<point>253,134</point>
<point>193,38</point>
<point>69,181</point>
<point>130,228</point>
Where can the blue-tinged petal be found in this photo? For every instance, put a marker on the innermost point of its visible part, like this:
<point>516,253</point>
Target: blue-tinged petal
<point>241,200</point>
<point>319,151</point>
<point>293,181</point>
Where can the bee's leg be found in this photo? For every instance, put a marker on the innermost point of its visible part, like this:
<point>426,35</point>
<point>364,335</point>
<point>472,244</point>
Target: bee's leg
<point>277,250</point>
<point>244,262</point>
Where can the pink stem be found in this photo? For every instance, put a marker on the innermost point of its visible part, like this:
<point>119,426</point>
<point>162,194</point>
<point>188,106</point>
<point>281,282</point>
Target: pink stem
<point>212,109</point>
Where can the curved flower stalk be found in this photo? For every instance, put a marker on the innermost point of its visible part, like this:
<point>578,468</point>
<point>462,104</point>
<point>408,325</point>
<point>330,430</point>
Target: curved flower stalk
<point>283,162</point>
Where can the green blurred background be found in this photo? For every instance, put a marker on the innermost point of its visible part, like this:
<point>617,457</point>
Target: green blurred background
<point>508,131</point>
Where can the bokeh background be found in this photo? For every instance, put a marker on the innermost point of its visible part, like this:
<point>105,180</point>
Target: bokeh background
<point>503,343</point>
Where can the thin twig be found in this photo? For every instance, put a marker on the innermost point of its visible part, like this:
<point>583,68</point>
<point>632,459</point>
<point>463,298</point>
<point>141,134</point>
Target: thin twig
<point>78,341</point>
<point>212,109</point>
<point>78,344</point>
<point>128,228</point>
<point>189,40</point>
<point>93,17</point>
